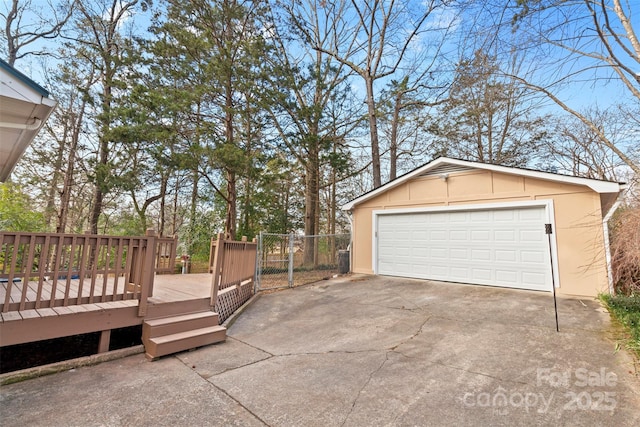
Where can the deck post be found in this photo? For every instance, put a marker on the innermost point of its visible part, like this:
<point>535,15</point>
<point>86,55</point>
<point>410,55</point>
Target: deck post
<point>212,253</point>
<point>216,265</point>
<point>148,269</point>
<point>105,338</point>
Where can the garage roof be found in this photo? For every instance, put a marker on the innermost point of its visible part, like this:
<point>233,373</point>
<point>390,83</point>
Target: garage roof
<point>24,108</point>
<point>442,166</point>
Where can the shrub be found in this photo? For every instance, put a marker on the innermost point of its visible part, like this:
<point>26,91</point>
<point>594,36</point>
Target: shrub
<point>625,250</point>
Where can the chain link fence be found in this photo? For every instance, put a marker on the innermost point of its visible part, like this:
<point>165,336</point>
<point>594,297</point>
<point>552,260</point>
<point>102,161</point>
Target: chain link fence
<point>288,260</point>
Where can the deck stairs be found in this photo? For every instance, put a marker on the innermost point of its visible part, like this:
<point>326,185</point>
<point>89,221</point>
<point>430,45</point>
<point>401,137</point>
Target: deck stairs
<point>172,334</point>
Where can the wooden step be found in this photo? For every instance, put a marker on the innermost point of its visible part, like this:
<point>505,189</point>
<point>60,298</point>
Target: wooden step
<point>157,309</point>
<point>173,343</point>
<point>171,325</point>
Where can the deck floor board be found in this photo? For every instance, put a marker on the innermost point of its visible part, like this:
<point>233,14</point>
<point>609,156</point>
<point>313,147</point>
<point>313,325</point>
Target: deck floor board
<point>167,288</point>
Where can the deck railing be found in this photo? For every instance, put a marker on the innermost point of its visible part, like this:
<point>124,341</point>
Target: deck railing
<point>233,265</point>
<point>47,270</point>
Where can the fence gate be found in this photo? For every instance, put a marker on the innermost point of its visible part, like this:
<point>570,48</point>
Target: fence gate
<point>288,260</point>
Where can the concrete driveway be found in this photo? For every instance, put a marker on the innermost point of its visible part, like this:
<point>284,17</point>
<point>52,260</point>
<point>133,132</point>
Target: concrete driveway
<point>363,351</point>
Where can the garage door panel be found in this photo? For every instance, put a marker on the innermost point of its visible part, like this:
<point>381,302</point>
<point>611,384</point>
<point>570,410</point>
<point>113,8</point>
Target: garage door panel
<point>503,215</point>
<point>437,235</point>
<point>438,218</point>
<point>458,235</point>
<point>480,254</point>
<point>536,215</point>
<point>480,216</point>
<point>504,247</point>
<point>439,271</point>
<point>420,234</point>
<point>535,257</point>
<point>458,254</point>
<point>504,236</point>
<point>505,255</point>
<point>531,236</point>
<point>482,274</point>
<point>421,252</point>
<point>480,235</point>
<point>458,217</point>
<point>441,253</point>
<point>508,276</point>
<point>533,278</point>
<point>459,273</point>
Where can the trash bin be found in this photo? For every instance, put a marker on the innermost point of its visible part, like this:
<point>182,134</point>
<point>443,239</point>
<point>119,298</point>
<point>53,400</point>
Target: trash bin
<point>343,261</point>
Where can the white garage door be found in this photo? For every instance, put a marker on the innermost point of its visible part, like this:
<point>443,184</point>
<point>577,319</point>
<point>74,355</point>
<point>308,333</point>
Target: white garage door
<point>502,247</point>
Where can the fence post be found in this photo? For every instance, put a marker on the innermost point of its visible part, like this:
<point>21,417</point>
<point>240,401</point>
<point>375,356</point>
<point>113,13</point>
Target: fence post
<point>291,236</point>
<point>258,272</point>
<point>216,265</point>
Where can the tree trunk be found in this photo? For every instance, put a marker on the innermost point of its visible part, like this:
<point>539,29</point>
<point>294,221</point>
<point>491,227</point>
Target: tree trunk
<point>393,144</point>
<point>65,196</point>
<point>311,197</point>
<point>230,226</point>
<point>163,201</point>
<point>193,211</point>
<point>232,207</point>
<point>373,128</point>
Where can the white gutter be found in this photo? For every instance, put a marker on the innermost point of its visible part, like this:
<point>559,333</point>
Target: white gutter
<point>23,126</point>
<point>605,228</point>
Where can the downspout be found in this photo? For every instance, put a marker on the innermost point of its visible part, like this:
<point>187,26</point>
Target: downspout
<point>605,228</point>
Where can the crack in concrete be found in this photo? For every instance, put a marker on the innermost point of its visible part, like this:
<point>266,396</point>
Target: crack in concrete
<point>230,369</point>
<point>418,332</point>
<point>274,356</point>
<point>379,368</point>
<point>223,391</point>
<point>403,308</point>
<point>366,383</point>
<point>240,404</point>
<point>250,345</point>
<point>459,368</point>
<point>321,353</point>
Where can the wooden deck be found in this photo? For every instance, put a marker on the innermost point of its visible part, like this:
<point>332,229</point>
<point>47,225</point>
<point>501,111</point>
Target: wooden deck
<point>167,288</point>
<point>181,287</point>
<point>53,293</point>
<point>172,294</point>
<point>57,285</point>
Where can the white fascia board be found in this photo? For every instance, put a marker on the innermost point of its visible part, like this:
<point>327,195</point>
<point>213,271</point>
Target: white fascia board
<point>595,185</point>
<point>388,186</point>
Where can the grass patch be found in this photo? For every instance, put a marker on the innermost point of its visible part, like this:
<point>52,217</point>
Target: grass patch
<point>626,310</point>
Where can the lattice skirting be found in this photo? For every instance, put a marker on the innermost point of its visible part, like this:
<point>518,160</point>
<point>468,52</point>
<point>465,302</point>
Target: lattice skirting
<point>231,298</point>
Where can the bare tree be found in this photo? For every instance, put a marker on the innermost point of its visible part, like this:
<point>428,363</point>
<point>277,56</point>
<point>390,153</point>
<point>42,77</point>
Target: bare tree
<point>488,117</point>
<point>582,45</point>
<point>27,23</point>
<point>379,38</point>
<point>311,88</point>
<point>405,115</point>
<point>98,40</point>
<point>577,150</point>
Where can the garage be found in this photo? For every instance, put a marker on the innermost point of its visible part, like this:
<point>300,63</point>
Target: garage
<point>500,247</point>
<point>476,223</point>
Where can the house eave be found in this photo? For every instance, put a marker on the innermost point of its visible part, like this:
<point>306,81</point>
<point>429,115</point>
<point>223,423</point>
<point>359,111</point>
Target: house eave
<point>596,185</point>
<point>25,106</point>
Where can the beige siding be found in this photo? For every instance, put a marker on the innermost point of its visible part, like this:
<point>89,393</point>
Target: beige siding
<point>577,209</point>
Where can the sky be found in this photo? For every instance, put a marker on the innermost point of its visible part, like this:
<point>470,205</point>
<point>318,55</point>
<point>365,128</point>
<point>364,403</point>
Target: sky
<point>595,91</point>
